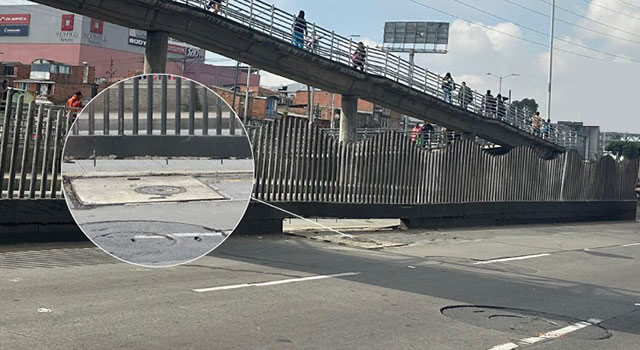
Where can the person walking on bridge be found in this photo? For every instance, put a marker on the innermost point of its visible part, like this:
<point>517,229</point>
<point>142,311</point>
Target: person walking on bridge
<point>536,123</point>
<point>465,96</point>
<point>359,56</point>
<point>299,30</point>
<point>489,105</point>
<point>447,87</point>
<point>215,5</point>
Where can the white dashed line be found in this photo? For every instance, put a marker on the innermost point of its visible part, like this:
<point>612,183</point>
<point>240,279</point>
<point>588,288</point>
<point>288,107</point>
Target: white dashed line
<point>510,259</point>
<point>186,234</point>
<point>273,283</point>
<point>630,245</point>
<point>546,336</point>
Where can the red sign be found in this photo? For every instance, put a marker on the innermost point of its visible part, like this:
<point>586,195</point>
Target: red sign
<point>175,49</point>
<point>15,19</point>
<point>96,26</point>
<point>67,23</point>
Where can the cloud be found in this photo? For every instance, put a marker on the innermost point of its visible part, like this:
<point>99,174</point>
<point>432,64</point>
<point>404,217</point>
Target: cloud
<point>272,80</point>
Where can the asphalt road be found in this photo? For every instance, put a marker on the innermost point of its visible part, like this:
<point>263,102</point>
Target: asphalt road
<point>539,287</point>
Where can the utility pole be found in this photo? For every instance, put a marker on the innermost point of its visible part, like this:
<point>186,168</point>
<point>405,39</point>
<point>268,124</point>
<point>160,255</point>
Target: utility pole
<point>235,87</point>
<point>246,99</point>
<point>553,20</point>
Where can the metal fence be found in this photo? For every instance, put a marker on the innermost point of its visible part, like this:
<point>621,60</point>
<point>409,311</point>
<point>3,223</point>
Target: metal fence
<point>158,105</point>
<point>281,25</point>
<point>31,141</point>
<point>295,162</point>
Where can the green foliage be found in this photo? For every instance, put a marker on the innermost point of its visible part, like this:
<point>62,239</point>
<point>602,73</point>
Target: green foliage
<point>529,103</point>
<point>626,149</point>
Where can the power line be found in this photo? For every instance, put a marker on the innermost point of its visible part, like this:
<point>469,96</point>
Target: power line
<point>591,20</point>
<point>547,34</point>
<point>610,9</point>
<point>546,15</point>
<point>506,33</point>
<point>629,4</point>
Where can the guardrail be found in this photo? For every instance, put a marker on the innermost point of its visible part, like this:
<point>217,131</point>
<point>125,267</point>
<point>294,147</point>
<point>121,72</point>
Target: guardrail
<point>281,25</point>
<point>299,163</point>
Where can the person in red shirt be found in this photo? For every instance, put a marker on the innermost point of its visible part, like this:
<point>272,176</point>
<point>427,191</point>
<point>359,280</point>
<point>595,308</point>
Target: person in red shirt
<point>74,105</point>
<point>75,102</point>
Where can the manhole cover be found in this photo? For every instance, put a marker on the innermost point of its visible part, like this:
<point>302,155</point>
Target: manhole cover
<point>520,321</point>
<point>154,242</point>
<point>161,190</point>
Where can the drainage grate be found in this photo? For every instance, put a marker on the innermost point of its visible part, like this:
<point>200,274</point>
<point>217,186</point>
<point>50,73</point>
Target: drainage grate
<point>161,190</point>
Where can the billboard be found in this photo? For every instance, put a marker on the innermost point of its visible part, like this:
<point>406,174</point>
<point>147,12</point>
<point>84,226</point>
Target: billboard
<point>137,37</point>
<point>14,24</point>
<point>436,33</point>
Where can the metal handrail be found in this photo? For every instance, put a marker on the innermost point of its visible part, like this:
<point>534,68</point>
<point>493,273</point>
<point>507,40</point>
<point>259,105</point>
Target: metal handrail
<point>280,25</point>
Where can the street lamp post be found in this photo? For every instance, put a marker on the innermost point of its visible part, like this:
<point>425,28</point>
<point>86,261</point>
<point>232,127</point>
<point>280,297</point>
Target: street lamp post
<point>500,77</point>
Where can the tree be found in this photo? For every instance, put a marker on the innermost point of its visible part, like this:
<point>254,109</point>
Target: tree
<point>529,103</point>
<point>626,149</point>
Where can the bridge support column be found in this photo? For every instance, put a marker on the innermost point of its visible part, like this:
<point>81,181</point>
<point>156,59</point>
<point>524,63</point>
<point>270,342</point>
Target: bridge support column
<point>348,118</point>
<point>155,55</point>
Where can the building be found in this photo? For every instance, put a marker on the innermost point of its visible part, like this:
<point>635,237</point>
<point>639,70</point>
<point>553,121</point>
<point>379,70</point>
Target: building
<point>262,106</point>
<point>588,142</point>
<point>56,82</point>
<point>324,103</point>
<point>41,32</point>
<point>11,71</point>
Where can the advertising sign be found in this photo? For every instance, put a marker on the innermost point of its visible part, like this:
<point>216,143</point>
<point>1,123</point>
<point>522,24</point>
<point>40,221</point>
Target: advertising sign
<point>66,24</point>
<point>436,33</point>
<point>15,19</point>
<point>96,26</point>
<point>137,37</point>
<point>14,24</point>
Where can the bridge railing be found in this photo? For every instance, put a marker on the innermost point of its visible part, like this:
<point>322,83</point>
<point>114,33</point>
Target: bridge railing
<point>280,25</point>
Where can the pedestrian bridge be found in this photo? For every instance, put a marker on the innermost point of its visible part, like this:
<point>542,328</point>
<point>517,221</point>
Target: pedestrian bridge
<point>260,34</point>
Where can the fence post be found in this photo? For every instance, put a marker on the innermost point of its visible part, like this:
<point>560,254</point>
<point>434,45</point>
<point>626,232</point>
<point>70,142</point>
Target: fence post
<point>333,34</point>
<point>14,146</point>
<point>4,138</point>
<point>251,14</point>
<point>150,104</point>
<point>273,13</point>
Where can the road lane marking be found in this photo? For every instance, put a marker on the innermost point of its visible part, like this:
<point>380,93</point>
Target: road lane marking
<point>505,346</point>
<point>546,336</point>
<point>510,259</point>
<point>630,245</point>
<point>186,234</point>
<point>273,283</point>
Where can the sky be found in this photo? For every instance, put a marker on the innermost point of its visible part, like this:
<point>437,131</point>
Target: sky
<point>597,92</point>
<point>502,37</point>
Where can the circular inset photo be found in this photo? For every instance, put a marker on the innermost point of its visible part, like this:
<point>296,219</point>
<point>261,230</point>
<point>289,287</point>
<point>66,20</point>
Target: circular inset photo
<point>157,170</point>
